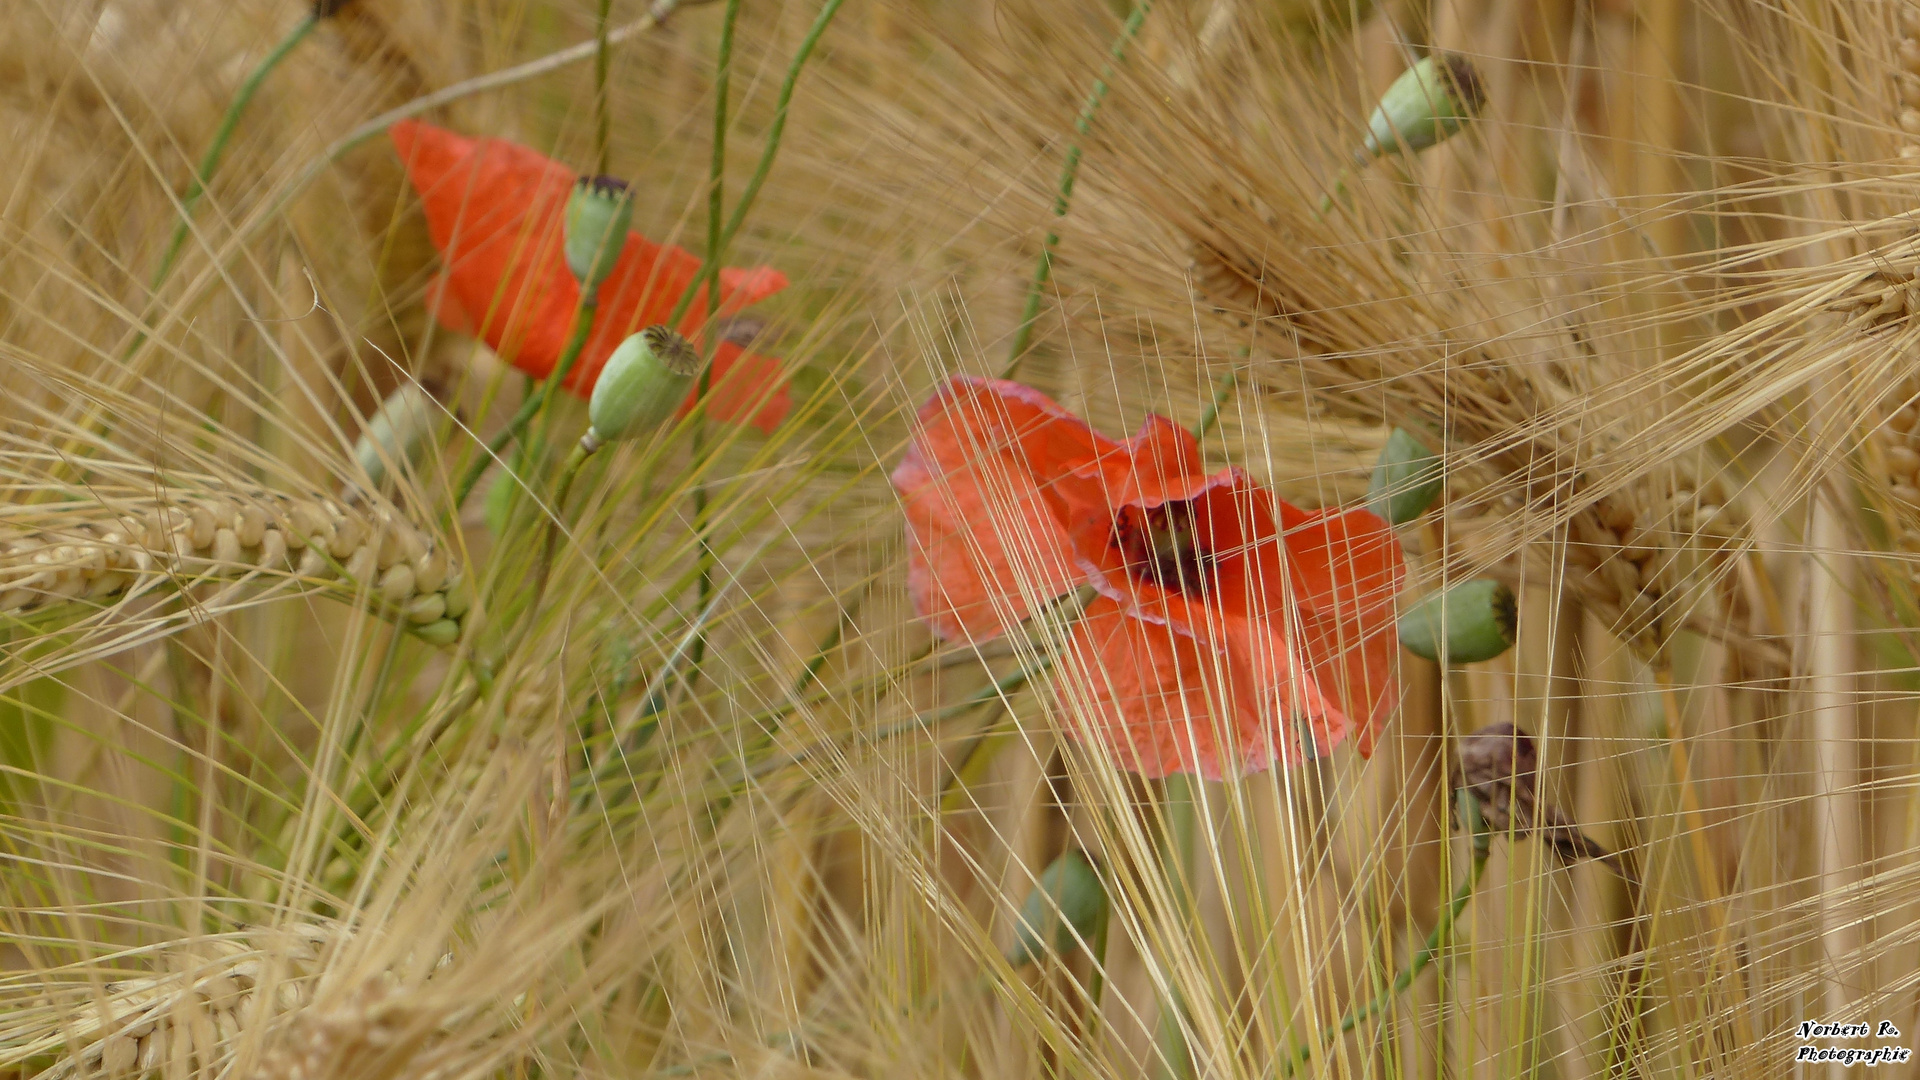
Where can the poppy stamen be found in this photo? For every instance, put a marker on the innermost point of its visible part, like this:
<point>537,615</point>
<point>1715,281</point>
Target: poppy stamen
<point>1161,545</point>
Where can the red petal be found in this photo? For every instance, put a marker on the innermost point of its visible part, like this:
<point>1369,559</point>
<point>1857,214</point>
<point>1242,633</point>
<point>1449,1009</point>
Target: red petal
<point>1161,463</point>
<point>1150,689</point>
<point>987,544</point>
<point>1344,570</point>
<point>745,388</point>
<point>447,308</point>
<point>496,212</point>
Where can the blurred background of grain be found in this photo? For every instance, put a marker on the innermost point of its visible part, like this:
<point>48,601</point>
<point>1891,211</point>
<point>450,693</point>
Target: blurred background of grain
<point>1658,300</point>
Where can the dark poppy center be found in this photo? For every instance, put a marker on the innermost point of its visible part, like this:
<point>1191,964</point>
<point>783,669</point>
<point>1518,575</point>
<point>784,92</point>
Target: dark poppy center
<point>1161,545</point>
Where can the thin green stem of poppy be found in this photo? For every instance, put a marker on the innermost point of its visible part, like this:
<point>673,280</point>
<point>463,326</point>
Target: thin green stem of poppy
<point>716,197</point>
<point>1222,390</point>
<point>555,522</point>
<point>1063,197</point>
<point>767,153</point>
<point>210,161</point>
<point>1181,820</point>
<point>602,116</point>
<point>1439,939</point>
<point>582,328</point>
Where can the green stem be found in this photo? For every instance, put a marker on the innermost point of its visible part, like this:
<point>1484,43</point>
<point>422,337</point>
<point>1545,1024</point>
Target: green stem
<point>1222,390</point>
<point>582,328</point>
<point>716,197</point>
<point>1043,271</point>
<point>602,118</point>
<point>210,161</point>
<point>767,152</point>
<point>1181,821</point>
<point>1441,937</point>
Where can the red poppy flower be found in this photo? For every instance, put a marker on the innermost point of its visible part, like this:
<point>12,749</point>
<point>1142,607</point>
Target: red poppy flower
<point>495,210</point>
<point>1230,629</point>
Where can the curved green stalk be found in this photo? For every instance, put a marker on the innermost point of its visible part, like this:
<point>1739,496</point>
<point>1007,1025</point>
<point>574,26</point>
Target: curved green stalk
<point>210,161</point>
<point>1043,271</point>
<point>582,329</point>
<point>1441,937</point>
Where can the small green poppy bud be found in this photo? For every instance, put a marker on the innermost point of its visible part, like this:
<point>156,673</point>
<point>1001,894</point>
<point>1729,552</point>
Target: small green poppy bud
<point>1406,480</point>
<point>598,213</point>
<point>644,381</point>
<point>1428,102</point>
<point>1064,909</point>
<point>396,434</point>
<point>1473,621</point>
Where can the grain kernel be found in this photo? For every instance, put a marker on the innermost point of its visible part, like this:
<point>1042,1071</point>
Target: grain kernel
<point>226,546</point>
<point>250,524</point>
<point>1618,516</point>
<point>430,571</point>
<point>201,525</point>
<point>362,565</point>
<point>1902,461</point>
<point>313,564</point>
<point>390,550</point>
<point>458,598</point>
<point>118,1055</point>
<point>348,536</point>
<point>273,548</point>
<point>396,585</point>
<point>426,609</point>
<point>153,1052</point>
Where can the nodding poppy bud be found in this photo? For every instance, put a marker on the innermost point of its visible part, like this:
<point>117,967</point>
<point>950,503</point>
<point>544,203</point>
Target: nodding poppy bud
<point>327,9</point>
<point>598,214</point>
<point>1428,102</point>
<point>644,381</point>
<point>1406,480</point>
<point>1064,909</point>
<point>1473,621</point>
<point>396,434</point>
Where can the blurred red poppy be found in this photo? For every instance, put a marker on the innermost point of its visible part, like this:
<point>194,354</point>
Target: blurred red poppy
<point>495,211</point>
<point>1230,630</point>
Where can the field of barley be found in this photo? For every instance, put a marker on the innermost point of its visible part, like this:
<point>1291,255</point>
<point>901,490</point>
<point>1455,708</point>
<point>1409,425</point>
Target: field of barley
<point>959,539</point>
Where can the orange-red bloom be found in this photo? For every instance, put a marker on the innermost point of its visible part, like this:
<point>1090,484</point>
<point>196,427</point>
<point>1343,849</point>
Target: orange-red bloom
<point>495,210</point>
<point>1231,630</point>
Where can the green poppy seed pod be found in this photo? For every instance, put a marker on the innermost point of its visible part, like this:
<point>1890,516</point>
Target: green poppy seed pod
<point>1406,479</point>
<point>644,381</point>
<point>1064,909</point>
<point>1473,621</point>
<point>396,434</point>
<point>1428,102</point>
<point>598,214</point>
